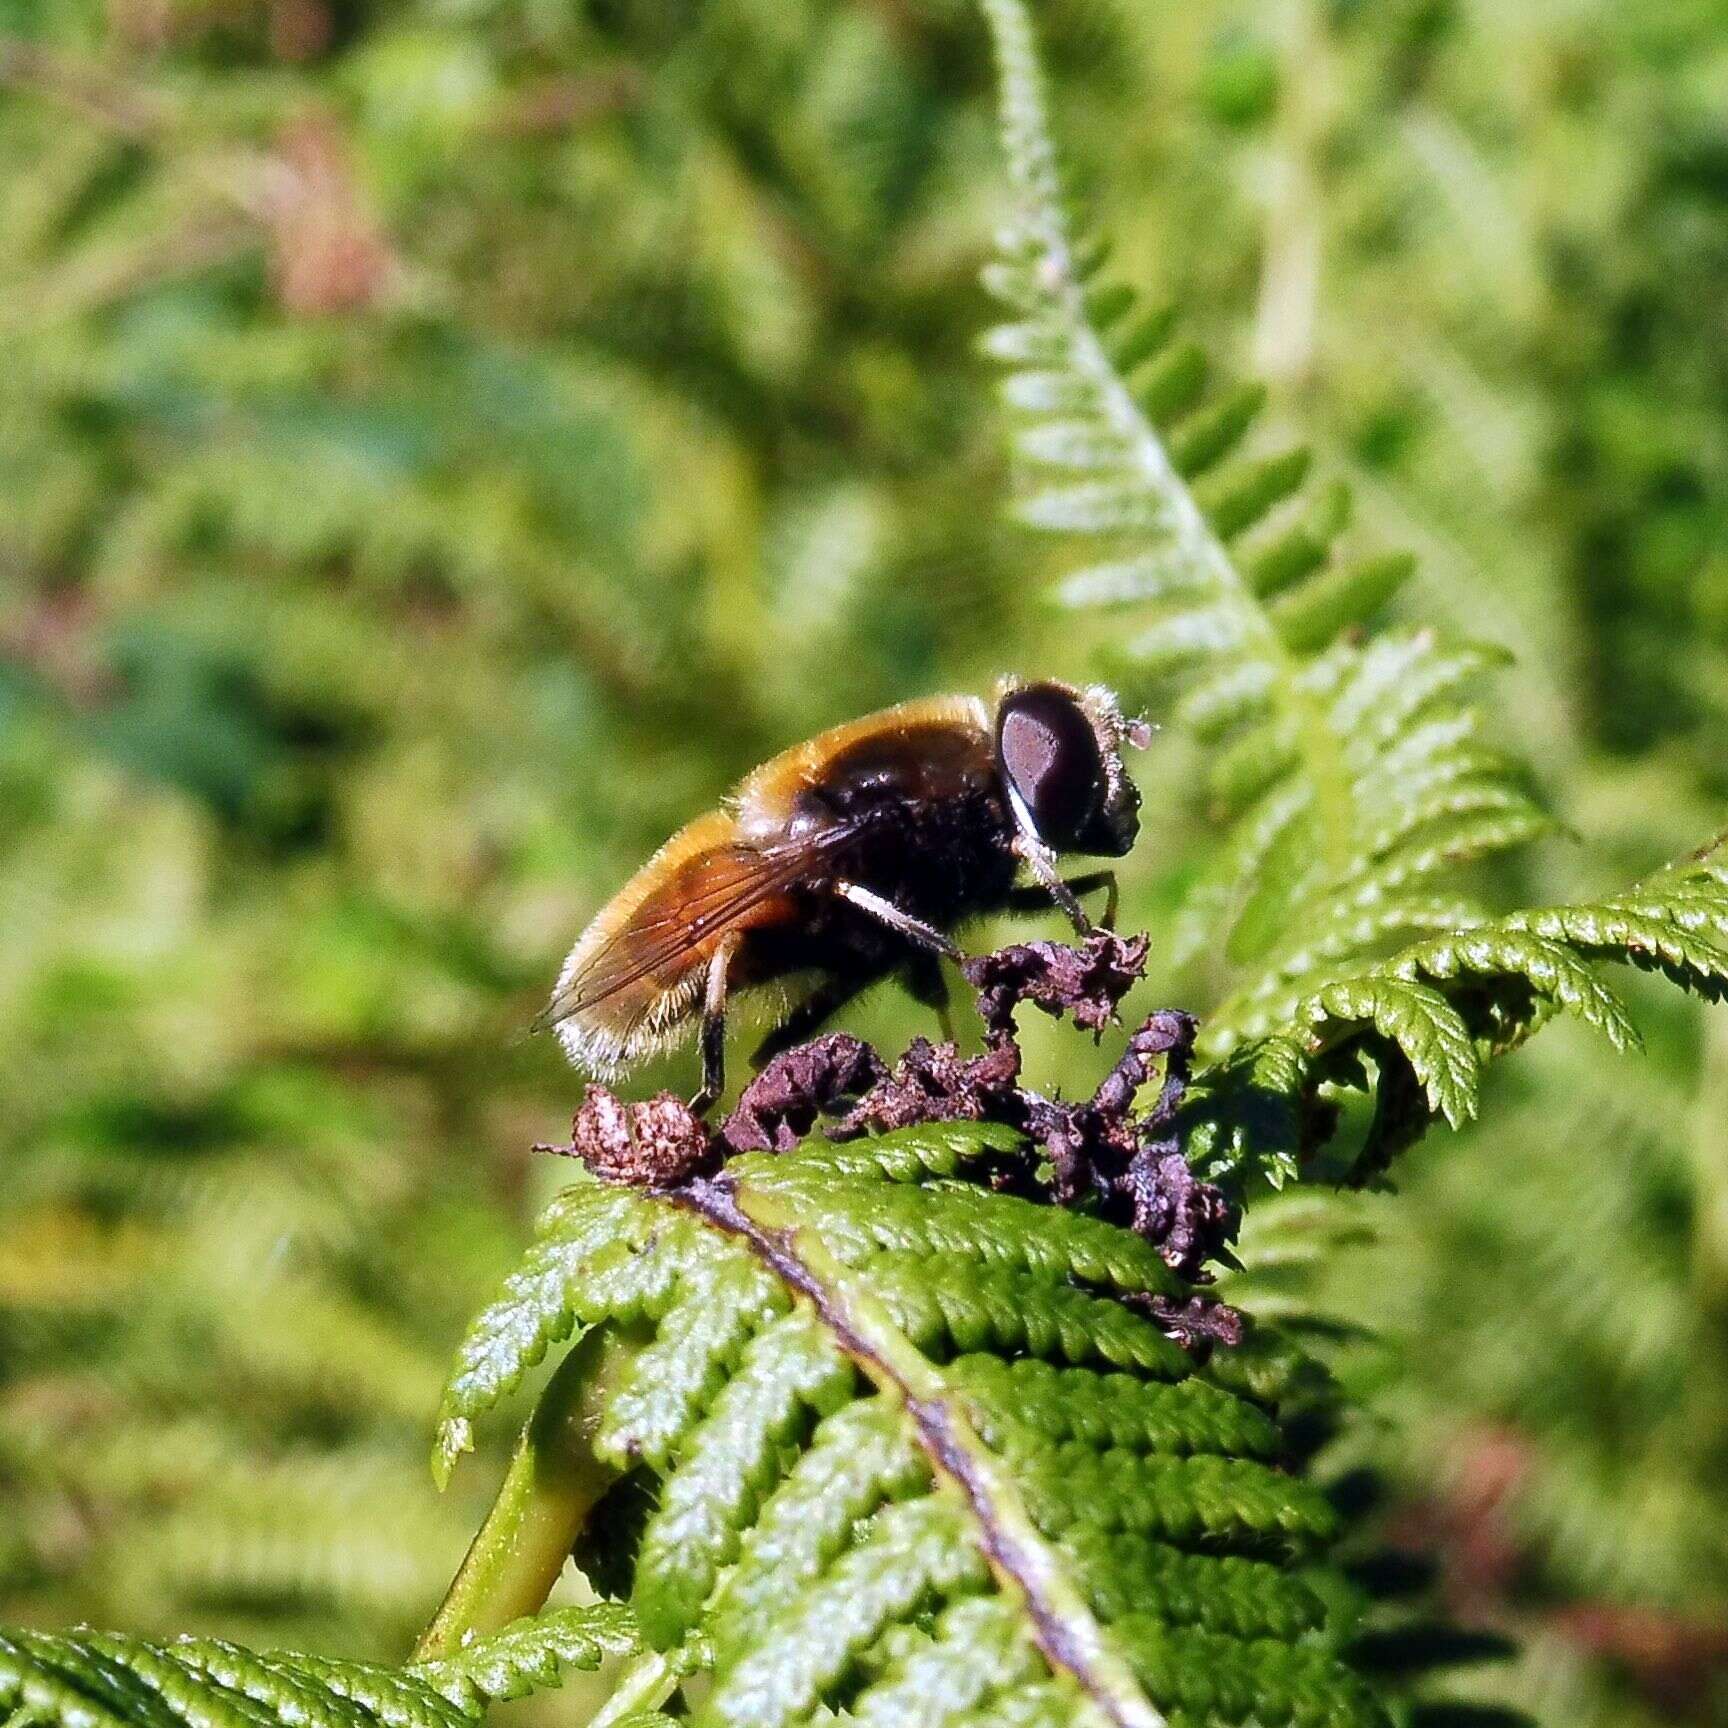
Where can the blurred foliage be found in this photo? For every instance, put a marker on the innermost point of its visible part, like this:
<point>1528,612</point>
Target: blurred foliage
<point>443,444</point>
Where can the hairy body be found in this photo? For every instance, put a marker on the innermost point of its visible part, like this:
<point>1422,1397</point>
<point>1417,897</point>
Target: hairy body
<point>844,859</point>
<point>905,804</point>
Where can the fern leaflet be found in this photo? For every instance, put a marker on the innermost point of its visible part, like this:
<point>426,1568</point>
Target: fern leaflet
<point>1354,777</point>
<point>890,1421</point>
<point>1428,1016</point>
<point>1352,770</point>
<point>90,1679</point>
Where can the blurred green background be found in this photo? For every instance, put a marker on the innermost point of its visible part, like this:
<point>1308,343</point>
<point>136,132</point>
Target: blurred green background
<point>444,442</point>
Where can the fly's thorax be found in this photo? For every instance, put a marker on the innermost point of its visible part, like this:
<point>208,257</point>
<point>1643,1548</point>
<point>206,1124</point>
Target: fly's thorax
<point>940,859</point>
<point>929,748</point>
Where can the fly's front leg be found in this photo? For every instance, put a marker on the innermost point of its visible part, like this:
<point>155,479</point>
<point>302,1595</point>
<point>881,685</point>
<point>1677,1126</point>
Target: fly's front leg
<point>1036,898</point>
<point>1041,861</point>
<point>928,983</point>
<point>714,1027</point>
<point>1029,846</point>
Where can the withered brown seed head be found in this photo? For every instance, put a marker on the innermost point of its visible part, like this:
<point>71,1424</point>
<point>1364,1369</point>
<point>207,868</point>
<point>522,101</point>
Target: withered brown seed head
<point>655,1143</point>
<point>1085,981</point>
<point>1198,1323</point>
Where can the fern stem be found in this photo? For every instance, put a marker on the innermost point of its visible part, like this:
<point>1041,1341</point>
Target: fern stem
<point>1289,303</point>
<point>645,1684</point>
<point>552,1485</point>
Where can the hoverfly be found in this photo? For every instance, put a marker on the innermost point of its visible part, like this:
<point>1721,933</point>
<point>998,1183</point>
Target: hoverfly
<point>850,857</point>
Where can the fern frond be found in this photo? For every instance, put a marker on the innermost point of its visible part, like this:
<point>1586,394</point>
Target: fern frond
<point>1076,1405</point>
<point>538,1308</point>
<point>921,1408</point>
<point>1429,1016</point>
<point>1347,760</point>
<point>853,1464</point>
<point>974,1652</point>
<point>102,1680</point>
<point>1351,772</point>
<point>530,1655</point>
<point>791,1376</point>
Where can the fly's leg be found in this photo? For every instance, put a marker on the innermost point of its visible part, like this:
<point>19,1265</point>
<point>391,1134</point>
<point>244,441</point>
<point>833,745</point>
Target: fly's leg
<point>1041,861</point>
<point>924,973</point>
<point>1036,897</point>
<point>807,1018</point>
<point>925,937</point>
<point>714,1027</point>
<point>928,983</point>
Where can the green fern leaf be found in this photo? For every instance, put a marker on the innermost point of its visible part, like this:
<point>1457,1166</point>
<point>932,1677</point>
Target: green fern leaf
<point>1434,1009</point>
<point>914,1406</point>
<point>1350,764</point>
<point>530,1655</point>
<point>1342,763</point>
<point>610,1237</point>
<point>974,1653</point>
<point>102,1680</point>
<point>1419,1021</point>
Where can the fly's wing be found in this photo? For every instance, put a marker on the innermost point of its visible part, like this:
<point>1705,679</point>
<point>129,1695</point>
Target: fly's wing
<point>648,943</point>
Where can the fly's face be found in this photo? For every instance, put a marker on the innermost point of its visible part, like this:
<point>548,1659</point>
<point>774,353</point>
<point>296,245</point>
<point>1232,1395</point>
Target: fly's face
<point>1059,757</point>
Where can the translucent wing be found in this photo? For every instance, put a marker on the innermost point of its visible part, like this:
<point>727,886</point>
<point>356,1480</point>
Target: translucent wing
<point>669,919</point>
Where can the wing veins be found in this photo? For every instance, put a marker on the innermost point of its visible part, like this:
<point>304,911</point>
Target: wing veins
<point>725,902</point>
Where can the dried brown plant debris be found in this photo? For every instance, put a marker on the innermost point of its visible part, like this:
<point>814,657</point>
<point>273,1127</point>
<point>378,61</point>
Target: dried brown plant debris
<point>1105,1151</point>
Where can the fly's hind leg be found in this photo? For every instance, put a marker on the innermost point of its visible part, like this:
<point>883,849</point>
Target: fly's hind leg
<point>714,1027</point>
<point>926,982</point>
<point>807,1017</point>
<point>928,947</point>
<point>1036,896</point>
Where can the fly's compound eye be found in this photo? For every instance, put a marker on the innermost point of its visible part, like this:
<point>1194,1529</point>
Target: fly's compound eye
<point>1050,760</point>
